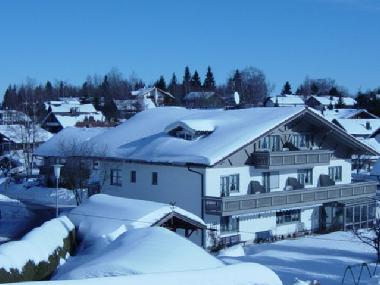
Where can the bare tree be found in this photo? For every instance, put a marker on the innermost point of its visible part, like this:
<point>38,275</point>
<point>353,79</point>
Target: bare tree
<point>370,236</point>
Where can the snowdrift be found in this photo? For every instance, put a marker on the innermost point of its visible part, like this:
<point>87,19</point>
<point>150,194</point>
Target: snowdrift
<point>149,250</point>
<point>37,254</point>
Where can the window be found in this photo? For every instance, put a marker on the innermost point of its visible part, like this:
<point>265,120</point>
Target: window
<point>271,143</point>
<point>154,178</point>
<point>305,176</point>
<point>95,165</point>
<point>133,176</point>
<point>301,140</point>
<point>271,180</point>
<point>116,177</point>
<point>229,224</point>
<point>229,184</point>
<point>291,216</point>
<point>335,173</point>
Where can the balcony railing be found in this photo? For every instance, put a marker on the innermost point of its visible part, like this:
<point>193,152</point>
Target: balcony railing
<point>279,159</point>
<point>255,203</point>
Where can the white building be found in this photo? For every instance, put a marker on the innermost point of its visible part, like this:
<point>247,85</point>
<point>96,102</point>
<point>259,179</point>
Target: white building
<point>248,173</point>
<point>325,102</point>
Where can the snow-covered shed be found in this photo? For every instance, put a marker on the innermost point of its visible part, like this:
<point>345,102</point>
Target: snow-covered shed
<point>102,214</point>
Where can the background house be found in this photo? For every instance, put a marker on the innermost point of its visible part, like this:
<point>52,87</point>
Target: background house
<point>202,99</point>
<point>63,114</point>
<point>284,101</point>
<point>330,102</point>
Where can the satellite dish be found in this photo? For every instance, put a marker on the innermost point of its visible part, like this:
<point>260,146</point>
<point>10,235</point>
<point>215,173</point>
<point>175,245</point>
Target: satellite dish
<point>237,98</point>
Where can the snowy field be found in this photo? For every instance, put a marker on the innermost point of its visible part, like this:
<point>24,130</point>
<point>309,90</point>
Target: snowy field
<point>323,258</point>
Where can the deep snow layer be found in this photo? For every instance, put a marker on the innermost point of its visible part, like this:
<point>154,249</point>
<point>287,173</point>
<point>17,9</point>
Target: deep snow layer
<point>102,214</point>
<point>323,258</point>
<point>37,245</point>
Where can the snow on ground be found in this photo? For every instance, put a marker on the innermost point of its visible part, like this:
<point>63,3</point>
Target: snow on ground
<point>38,194</point>
<point>323,258</point>
<point>37,245</point>
<point>102,214</point>
<point>240,274</point>
<point>234,251</point>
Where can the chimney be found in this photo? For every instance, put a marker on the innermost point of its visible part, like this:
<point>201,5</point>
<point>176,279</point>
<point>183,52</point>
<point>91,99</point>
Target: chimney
<point>368,125</point>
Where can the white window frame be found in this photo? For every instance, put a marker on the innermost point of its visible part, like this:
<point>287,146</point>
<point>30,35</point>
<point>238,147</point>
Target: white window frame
<point>115,177</point>
<point>304,173</point>
<point>272,178</point>
<point>334,171</point>
<point>229,184</point>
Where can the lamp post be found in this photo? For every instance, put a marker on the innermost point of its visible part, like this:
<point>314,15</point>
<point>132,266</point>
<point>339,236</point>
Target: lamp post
<point>57,174</point>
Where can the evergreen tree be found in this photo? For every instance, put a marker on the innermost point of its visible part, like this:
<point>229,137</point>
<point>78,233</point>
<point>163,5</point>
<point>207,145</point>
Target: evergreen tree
<point>161,83</point>
<point>334,92</point>
<point>237,82</point>
<point>49,90</point>
<point>186,80</point>
<point>174,90</point>
<point>209,82</point>
<point>287,89</point>
<point>314,88</point>
<point>196,84</point>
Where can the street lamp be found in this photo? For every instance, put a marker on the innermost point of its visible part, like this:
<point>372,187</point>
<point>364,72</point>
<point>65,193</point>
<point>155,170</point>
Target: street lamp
<point>57,174</point>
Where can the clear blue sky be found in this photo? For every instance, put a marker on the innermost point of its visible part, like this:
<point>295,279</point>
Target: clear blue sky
<point>288,40</point>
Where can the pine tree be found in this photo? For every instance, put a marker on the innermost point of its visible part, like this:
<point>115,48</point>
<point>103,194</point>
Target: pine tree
<point>174,90</point>
<point>334,92</point>
<point>237,82</point>
<point>209,82</point>
<point>49,90</point>
<point>161,83</point>
<point>186,80</point>
<point>287,89</point>
<point>196,84</point>
<point>314,88</point>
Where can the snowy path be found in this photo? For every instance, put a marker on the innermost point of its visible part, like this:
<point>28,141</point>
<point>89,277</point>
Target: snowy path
<point>323,258</point>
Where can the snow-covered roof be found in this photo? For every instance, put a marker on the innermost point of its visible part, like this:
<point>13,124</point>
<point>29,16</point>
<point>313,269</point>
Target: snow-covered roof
<point>144,91</point>
<point>22,134</point>
<point>359,127</point>
<point>68,136</point>
<point>198,95</point>
<point>192,126</point>
<point>288,100</point>
<point>326,100</point>
<point>102,214</point>
<point>144,137</point>
<point>70,121</point>
<point>343,113</point>
<point>66,107</point>
<point>373,143</point>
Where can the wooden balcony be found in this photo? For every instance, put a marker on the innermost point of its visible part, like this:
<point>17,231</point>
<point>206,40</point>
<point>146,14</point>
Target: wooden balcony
<point>286,159</point>
<point>256,203</point>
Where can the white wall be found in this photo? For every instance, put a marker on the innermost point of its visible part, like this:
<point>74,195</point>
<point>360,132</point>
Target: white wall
<point>175,184</point>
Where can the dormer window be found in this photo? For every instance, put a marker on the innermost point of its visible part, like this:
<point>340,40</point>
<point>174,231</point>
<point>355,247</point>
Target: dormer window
<point>190,129</point>
<point>74,110</point>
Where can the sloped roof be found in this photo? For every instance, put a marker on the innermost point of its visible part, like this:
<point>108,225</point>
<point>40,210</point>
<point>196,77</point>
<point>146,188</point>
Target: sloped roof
<point>288,100</point>
<point>65,107</point>
<point>358,127</point>
<point>71,121</point>
<point>70,136</point>
<point>144,137</point>
<point>143,91</point>
<point>344,113</point>
<point>21,134</point>
<point>326,100</point>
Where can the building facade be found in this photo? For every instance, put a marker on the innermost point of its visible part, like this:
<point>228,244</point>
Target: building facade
<point>249,174</point>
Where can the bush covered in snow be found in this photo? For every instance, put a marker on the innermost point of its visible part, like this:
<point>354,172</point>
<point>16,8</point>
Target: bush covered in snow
<point>37,255</point>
